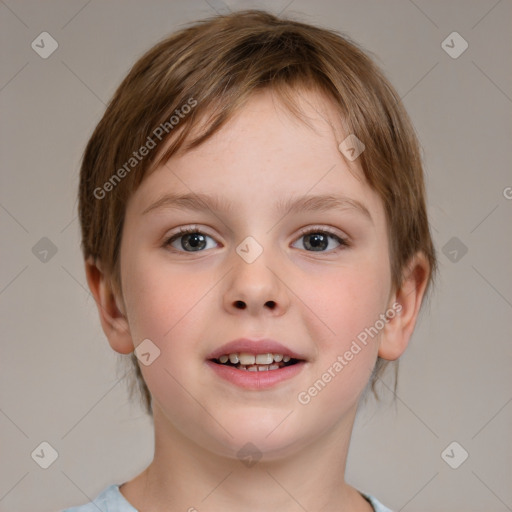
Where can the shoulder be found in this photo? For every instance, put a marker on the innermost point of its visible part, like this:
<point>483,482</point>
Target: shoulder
<point>108,500</point>
<point>376,504</point>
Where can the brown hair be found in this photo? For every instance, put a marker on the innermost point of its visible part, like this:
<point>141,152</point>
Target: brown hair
<point>213,67</point>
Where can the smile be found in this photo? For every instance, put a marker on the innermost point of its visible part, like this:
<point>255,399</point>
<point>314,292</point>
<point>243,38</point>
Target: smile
<point>256,362</point>
<point>255,372</point>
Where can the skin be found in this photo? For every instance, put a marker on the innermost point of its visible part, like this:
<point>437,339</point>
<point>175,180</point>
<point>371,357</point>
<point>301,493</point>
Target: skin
<point>187,304</point>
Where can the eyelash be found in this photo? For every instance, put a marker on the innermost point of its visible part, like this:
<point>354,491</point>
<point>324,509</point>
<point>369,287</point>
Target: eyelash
<point>325,231</point>
<point>344,243</point>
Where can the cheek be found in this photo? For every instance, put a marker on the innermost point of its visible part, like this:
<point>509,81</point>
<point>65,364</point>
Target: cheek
<point>158,300</point>
<point>346,305</point>
<point>348,300</point>
<point>164,307</point>
<point>172,308</point>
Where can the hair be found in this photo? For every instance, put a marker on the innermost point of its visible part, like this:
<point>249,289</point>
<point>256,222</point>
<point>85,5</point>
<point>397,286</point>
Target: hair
<point>213,67</point>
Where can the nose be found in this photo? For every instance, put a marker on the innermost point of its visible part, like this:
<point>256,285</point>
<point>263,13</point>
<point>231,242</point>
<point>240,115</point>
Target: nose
<point>257,288</point>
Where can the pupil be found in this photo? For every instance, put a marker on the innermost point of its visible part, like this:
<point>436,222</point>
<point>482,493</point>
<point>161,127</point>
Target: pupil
<point>195,240</point>
<point>317,241</point>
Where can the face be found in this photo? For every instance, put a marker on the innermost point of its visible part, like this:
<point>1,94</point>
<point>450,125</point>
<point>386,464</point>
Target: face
<point>311,279</point>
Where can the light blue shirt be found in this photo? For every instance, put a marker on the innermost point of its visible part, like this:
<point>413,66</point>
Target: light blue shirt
<point>111,500</point>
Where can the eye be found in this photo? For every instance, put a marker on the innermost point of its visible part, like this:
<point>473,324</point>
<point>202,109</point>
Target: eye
<point>191,238</point>
<point>317,240</point>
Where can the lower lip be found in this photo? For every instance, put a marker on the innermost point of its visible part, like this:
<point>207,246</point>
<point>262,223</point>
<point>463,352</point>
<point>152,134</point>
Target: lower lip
<point>256,380</point>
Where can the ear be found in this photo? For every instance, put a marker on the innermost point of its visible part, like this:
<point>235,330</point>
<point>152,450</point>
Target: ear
<point>398,331</point>
<point>112,314</point>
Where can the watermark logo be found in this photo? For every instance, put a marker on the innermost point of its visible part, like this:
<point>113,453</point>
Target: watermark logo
<point>454,45</point>
<point>44,250</point>
<point>147,352</point>
<point>249,249</point>
<point>44,455</point>
<point>454,455</point>
<point>454,249</point>
<point>44,45</point>
<point>249,454</point>
<point>351,147</point>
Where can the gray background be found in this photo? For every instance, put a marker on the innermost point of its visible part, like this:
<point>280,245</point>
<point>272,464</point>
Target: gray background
<point>59,378</point>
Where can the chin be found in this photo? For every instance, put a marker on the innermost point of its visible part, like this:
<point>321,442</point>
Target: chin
<point>258,438</point>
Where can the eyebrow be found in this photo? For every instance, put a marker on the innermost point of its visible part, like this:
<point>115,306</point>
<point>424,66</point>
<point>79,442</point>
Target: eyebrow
<point>292,205</point>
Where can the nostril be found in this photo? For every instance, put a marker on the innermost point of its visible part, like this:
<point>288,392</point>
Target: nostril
<point>240,304</point>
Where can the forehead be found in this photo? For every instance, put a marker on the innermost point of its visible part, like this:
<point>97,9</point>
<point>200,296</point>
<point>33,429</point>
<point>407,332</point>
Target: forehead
<point>265,152</point>
<point>304,116</point>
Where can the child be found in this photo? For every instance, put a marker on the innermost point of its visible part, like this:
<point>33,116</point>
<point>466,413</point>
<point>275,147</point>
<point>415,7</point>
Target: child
<point>255,234</point>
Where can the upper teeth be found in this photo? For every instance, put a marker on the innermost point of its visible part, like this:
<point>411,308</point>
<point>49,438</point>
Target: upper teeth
<point>244,358</point>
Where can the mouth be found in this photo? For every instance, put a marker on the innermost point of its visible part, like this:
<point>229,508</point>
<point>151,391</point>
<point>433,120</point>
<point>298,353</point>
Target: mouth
<point>255,362</point>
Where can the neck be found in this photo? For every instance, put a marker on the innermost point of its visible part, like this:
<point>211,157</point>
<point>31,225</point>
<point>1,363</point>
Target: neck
<point>184,476</point>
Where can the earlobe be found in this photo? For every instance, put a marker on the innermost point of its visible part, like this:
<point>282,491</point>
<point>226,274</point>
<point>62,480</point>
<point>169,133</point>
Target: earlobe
<point>112,315</point>
<point>398,331</point>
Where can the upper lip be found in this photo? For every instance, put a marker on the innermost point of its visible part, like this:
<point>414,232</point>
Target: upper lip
<point>254,346</point>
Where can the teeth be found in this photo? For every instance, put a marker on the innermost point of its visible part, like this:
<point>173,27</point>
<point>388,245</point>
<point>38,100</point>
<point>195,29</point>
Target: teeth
<point>255,363</point>
<point>247,358</point>
<point>264,358</point>
<point>250,359</point>
<point>258,368</point>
